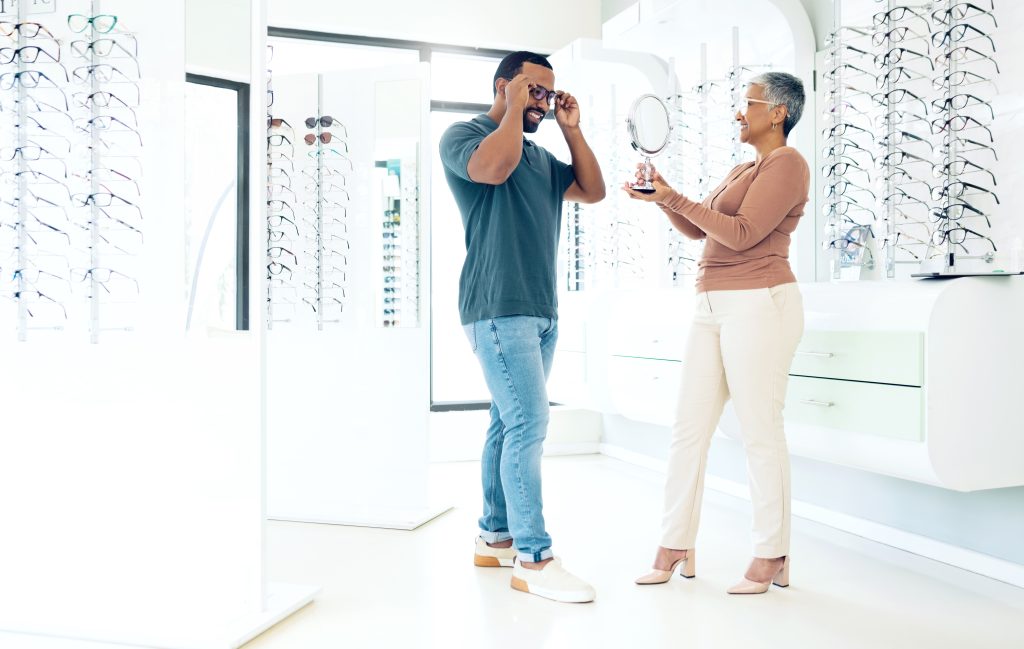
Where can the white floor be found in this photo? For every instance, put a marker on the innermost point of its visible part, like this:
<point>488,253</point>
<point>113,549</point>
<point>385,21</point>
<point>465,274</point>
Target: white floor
<point>420,589</point>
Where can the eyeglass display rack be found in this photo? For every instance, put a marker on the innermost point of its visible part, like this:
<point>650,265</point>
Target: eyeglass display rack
<point>703,124</point>
<point>605,240</point>
<point>72,227</point>
<point>606,243</point>
<point>307,274</point>
<point>917,60</point>
<point>400,272</point>
<point>955,27</point>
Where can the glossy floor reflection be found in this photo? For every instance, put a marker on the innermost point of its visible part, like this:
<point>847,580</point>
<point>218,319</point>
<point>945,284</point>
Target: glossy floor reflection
<point>420,589</point>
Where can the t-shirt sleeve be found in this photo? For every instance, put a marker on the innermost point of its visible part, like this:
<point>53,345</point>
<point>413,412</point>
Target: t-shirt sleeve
<point>564,175</point>
<point>457,146</point>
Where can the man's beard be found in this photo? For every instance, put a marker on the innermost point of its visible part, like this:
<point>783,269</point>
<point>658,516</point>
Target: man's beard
<point>528,125</point>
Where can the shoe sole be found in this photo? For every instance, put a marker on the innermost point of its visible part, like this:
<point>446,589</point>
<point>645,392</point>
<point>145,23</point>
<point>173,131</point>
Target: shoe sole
<point>481,561</point>
<point>557,596</point>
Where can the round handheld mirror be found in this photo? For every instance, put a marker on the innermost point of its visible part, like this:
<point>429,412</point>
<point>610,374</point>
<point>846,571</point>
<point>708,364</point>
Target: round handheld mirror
<point>649,129</point>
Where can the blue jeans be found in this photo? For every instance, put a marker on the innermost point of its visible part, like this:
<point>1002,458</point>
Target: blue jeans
<point>515,353</point>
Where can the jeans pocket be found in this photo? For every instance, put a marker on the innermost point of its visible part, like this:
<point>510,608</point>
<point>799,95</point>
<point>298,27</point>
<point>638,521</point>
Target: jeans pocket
<point>470,331</point>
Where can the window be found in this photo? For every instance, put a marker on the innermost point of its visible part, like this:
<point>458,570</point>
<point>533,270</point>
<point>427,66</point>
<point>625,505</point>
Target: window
<point>217,214</point>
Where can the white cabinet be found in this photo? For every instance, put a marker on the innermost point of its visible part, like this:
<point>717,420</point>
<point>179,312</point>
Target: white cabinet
<point>644,389</point>
<point>915,379</point>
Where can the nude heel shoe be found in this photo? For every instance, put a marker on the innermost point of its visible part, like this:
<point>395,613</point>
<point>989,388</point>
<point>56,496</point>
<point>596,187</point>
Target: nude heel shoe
<point>747,587</point>
<point>688,570</point>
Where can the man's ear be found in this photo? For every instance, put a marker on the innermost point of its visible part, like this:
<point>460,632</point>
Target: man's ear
<point>499,86</point>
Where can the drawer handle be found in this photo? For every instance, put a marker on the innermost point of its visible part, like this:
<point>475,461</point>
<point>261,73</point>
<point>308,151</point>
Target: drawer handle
<point>817,354</point>
<point>814,402</point>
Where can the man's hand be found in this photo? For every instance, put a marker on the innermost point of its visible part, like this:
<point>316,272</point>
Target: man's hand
<point>567,110</point>
<point>517,92</point>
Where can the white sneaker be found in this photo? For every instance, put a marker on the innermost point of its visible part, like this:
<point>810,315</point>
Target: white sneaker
<point>488,557</point>
<point>553,582</point>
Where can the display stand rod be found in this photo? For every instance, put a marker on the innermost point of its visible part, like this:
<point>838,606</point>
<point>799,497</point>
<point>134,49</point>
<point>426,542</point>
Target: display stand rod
<point>702,188</point>
<point>22,190</point>
<point>319,204</point>
<point>94,221</point>
<point>737,146</point>
<point>950,262</point>
<point>836,85</point>
<point>887,168</point>
<point>270,116</point>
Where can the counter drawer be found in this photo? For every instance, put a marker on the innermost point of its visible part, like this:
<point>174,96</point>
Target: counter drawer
<point>887,410</point>
<point>895,357</point>
<point>644,389</point>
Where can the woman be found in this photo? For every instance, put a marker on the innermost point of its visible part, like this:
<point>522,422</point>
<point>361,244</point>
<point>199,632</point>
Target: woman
<point>748,321</point>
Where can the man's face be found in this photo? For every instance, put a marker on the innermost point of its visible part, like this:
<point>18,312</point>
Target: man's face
<point>541,78</point>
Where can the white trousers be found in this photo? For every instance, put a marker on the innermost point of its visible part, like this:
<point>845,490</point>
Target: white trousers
<point>740,346</point>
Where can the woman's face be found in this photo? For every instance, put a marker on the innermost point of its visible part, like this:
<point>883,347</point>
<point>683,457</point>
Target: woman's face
<point>755,115</point>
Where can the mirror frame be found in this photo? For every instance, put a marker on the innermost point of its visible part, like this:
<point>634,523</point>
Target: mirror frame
<point>632,125</point>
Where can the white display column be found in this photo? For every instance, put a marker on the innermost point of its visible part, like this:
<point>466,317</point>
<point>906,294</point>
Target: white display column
<point>131,455</point>
<point>348,350</point>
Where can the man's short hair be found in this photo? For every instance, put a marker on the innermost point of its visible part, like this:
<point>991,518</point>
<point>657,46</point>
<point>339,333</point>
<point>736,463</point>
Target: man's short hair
<point>512,65</point>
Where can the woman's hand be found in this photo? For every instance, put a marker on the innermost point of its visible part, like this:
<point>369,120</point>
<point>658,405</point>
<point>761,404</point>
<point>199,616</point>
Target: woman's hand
<point>661,188</point>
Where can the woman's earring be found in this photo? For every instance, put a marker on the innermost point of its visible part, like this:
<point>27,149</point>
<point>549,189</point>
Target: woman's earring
<point>773,126</point>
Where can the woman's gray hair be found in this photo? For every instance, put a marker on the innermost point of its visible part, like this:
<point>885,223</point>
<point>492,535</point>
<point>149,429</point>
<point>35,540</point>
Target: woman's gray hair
<point>783,89</point>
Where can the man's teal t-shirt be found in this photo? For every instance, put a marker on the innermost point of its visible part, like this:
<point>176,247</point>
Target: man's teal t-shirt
<point>511,229</point>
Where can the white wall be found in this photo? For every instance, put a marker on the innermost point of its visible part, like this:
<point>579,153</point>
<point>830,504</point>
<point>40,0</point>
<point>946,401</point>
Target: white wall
<point>217,38</point>
<point>539,25</point>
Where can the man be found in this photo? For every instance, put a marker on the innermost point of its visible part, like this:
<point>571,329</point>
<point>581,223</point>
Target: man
<point>510,193</point>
